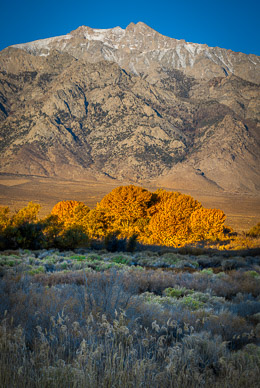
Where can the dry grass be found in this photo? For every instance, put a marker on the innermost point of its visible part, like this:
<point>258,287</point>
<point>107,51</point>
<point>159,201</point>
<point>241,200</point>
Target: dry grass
<point>120,328</point>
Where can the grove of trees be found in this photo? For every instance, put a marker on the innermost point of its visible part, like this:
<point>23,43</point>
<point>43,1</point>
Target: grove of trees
<point>160,217</point>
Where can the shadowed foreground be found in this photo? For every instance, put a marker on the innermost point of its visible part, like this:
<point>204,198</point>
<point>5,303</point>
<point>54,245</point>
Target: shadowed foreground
<point>102,319</point>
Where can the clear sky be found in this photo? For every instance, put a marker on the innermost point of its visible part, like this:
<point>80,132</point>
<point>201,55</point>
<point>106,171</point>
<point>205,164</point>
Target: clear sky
<point>231,24</point>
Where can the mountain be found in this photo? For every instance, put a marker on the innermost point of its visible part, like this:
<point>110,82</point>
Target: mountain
<point>131,105</point>
<point>143,51</point>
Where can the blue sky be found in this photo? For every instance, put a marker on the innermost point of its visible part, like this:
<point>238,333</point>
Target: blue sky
<point>229,24</point>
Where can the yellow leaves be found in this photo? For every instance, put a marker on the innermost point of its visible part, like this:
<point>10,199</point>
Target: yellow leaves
<point>127,205</point>
<point>207,223</point>
<point>65,209</point>
<point>26,214</point>
<point>162,217</point>
<point>169,223</point>
<point>4,217</point>
<point>71,213</point>
<point>98,223</point>
<point>130,200</point>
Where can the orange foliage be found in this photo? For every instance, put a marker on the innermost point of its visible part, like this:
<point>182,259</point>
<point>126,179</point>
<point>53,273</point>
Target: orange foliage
<point>98,223</point>
<point>170,221</point>
<point>71,213</point>
<point>207,224</point>
<point>162,217</point>
<point>128,207</point>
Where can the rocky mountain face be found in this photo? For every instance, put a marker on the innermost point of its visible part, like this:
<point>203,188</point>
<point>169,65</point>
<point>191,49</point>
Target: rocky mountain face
<point>131,105</point>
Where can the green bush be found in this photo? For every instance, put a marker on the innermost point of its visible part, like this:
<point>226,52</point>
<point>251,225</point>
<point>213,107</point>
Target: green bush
<point>36,271</point>
<point>207,271</point>
<point>25,235</point>
<point>93,257</point>
<point>121,260</point>
<point>177,292</point>
<point>131,243</point>
<point>191,303</point>
<point>115,244</point>
<point>72,238</point>
<point>78,257</point>
<point>252,274</point>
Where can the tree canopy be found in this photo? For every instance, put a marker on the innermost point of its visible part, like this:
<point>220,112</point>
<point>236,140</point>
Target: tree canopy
<point>170,218</point>
<point>71,213</point>
<point>128,206</point>
<point>161,218</point>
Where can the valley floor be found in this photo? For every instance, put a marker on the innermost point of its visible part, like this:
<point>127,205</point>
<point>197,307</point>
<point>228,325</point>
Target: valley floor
<point>242,211</point>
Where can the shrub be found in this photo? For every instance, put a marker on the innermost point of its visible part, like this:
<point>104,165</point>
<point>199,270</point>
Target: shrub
<point>132,243</point>
<point>177,292</point>
<point>72,238</point>
<point>191,303</point>
<point>37,270</point>
<point>25,235</point>
<point>252,274</point>
<point>254,231</point>
<point>78,257</point>
<point>121,260</point>
<point>208,271</point>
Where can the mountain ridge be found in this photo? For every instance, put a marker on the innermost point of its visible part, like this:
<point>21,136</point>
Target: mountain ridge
<point>72,112</point>
<point>139,46</point>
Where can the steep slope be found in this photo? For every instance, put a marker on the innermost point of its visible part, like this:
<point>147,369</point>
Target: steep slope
<point>67,110</point>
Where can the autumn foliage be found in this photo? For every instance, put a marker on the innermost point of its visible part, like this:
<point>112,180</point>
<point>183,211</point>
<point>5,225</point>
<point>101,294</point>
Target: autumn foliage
<point>170,218</point>
<point>128,207</point>
<point>161,218</point>
<point>71,213</point>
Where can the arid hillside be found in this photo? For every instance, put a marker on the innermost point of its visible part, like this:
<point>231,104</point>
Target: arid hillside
<point>179,117</point>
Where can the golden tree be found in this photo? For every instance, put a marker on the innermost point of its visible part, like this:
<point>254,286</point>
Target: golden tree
<point>170,218</point>
<point>27,214</point>
<point>98,223</point>
<point>4,217</point>
<point>71,213</point>
<point>128,208</point>
<point>207,224</point>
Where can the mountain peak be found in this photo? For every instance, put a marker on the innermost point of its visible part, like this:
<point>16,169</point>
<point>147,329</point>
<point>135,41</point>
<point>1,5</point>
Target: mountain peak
<point>138,24</point>
<point>140,49</point>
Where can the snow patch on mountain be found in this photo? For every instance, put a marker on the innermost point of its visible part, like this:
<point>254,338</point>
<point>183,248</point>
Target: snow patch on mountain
<point>140,44</point>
